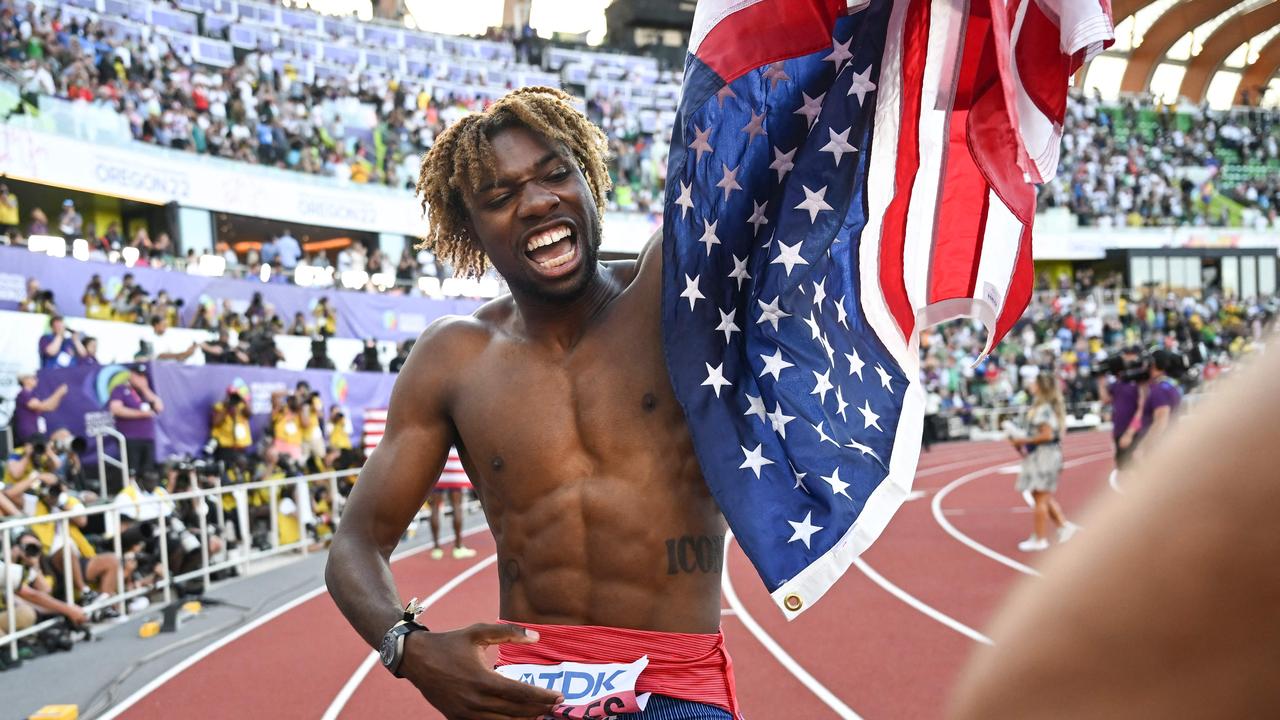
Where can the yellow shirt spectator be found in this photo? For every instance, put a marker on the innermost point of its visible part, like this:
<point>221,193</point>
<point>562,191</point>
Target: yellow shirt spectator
<point>9,209</point>
<point>339,438</point>
<point>48,532</point>
<point>96,307</point>
<point>286,427</point>
<point>288,525</point>
<point>233,430</point>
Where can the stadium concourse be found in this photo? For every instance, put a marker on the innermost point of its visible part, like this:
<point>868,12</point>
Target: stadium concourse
<point>888,642</point>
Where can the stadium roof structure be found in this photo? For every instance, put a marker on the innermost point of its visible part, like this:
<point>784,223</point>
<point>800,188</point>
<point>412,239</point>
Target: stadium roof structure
<point>1226,52</point>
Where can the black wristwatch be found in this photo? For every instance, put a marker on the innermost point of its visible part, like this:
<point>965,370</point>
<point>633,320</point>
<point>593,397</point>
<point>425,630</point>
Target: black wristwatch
<point>392,650</point>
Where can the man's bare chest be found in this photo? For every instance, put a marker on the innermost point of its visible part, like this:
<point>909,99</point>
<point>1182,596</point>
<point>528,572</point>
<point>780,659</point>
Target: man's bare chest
<point>607,401</point>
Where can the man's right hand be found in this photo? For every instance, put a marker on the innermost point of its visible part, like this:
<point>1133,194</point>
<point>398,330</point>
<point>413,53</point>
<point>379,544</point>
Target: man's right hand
<point>450,670</point>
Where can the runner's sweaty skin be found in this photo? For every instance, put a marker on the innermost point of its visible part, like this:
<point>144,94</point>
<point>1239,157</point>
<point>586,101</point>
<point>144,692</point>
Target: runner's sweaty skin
<point>560,404</point>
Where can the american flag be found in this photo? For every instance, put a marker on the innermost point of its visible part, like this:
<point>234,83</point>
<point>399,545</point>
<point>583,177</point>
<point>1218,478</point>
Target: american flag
<point>843,174</point>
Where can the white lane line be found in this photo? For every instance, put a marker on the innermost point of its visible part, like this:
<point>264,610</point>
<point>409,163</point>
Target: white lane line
<point>257,622</point>
<point>788,662</point>
<point>940,515</point>
<point>358,676</point>
<point>934,470</point>
<point>914,602</point>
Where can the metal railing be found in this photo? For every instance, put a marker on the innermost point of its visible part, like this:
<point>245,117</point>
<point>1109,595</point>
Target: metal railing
<point>166,507</point>
<point>104,460</point>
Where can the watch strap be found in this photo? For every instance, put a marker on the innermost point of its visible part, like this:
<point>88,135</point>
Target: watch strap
<point>397,635</point>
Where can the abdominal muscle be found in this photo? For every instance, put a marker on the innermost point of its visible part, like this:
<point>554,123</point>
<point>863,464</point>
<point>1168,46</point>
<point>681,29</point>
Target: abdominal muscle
<point>611,551</point>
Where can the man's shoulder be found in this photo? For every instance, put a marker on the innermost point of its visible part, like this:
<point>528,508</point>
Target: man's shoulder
<point>451,340</point>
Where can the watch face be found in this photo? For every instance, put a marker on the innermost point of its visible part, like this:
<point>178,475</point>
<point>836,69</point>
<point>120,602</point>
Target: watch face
<point>388,650</point>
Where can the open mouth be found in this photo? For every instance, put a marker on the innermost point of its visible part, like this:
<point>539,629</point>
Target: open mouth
<point>553,250</point>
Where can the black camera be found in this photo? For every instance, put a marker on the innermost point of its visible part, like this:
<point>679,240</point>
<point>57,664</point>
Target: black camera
<point>1133,365</point>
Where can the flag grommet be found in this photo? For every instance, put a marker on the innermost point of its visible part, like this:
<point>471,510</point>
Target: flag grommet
<point>793,602</point>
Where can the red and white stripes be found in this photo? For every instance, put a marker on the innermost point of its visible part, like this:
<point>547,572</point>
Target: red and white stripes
<point>969,114</point>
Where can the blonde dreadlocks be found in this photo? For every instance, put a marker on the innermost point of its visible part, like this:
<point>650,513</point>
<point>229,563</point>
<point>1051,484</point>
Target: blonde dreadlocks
<point>462,158</point>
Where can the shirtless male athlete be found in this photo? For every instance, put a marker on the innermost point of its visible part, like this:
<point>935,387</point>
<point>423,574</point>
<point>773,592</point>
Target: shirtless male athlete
<point>609,543</point>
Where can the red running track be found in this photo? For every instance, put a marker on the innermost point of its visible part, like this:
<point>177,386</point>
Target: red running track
<point>879,656</point>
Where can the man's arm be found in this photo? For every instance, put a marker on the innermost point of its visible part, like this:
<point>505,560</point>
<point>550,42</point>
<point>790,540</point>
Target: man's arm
<point>42,599</point>
<point>1166,607</point>
<point>1159,422</point>
<point>118,409</point>
<point>50,403</point>
<point>391,488</point>
<point>53,347</point>
<point>447,667</point>
<point>178,356</point>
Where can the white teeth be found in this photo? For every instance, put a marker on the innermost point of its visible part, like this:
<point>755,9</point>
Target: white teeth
<point>559,260</point>
<point>543,239</point>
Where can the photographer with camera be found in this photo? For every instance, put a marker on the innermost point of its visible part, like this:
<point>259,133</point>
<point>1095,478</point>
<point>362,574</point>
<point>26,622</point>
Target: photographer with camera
<point>59,347</point>
<point>1163,395</point>
<point>341,456</point>
<point>286,425</point>
<point>1143,396</point>
<point>96,305</point>
<point>141,504</point>
<point>1121,385</point>
<point>32,466</point>
<point>222,352</point>
<point>187,475</point>
<point>70,450</point>
<point>230,435</point>
<point>34,587</point>
<point>259,344</point>
<point>29,409</point>
<point>89,568</point>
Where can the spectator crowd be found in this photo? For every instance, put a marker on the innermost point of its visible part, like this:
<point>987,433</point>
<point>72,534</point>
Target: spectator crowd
<point>1070,330</point>
<point>1142,164</point>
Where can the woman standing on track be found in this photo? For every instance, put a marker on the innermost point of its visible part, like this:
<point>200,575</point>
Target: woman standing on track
<point>1042,462</point>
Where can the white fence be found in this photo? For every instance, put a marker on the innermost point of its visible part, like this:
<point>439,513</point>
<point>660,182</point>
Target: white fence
<point>244,554</point>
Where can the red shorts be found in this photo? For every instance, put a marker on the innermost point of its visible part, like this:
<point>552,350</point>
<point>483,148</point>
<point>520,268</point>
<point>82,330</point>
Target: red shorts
<point>687,666</point>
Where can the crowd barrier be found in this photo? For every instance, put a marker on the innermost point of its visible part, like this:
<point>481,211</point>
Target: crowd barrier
<point>240,558</point>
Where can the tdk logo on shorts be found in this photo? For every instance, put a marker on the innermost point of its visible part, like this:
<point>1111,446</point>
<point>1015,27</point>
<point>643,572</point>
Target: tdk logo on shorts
<point>575,685</point>
<point>591,692</point>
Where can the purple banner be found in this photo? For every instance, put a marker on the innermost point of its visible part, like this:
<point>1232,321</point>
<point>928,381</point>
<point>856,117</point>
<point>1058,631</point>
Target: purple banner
<point>360,315</point>
<point>189,392</point>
